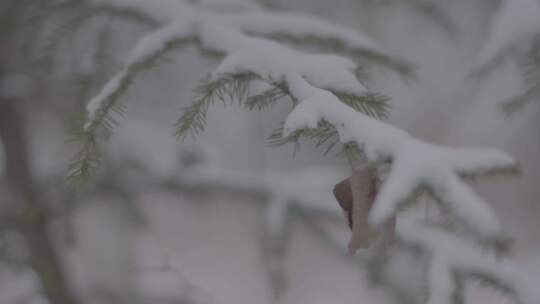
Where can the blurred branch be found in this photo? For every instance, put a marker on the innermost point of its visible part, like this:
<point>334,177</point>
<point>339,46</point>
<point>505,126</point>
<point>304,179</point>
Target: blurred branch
<point>373,262</point>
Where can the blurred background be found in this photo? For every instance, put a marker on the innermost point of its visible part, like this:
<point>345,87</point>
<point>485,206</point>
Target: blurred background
<point>226,218</point>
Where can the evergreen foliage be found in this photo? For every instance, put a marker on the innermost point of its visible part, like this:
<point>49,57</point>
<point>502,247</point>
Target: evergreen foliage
<point>432,11</point>
<point>233,87</point>
<point>514,39</point>
<point>530,67</point>
<point>414,167</point>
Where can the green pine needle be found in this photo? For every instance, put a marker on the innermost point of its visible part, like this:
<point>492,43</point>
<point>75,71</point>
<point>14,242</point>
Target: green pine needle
<point>530,67</point>
<point>265,99</point>
<point>226,88</point>
<point>324,135</point>
<point>372,104</point>
<point>86,160</point>
<point>112,108</point>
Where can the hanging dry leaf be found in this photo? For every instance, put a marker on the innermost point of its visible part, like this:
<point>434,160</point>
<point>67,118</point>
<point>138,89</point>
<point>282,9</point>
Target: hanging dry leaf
<point>343,194</point>
<point>356,196</point>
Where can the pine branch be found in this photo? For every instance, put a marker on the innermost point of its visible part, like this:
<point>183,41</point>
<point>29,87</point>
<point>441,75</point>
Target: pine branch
<point>436,14</point>
<point>530,69</point>
<point>86,160</point>
<point>265,99</point>
<point>328,109</point>
<point>454,260</point>
<point>90,153</point>
<point>372,104</point>
<point>102,104</point>
<point>413,162</point>
<point>508,39</point>
<point>185,29</point>
<point>515,103</point>
<point>91,9</point>
<point>364,55</point>
<point>68,27</point>
<point>236,87</point>
<point>110,108</point>
<point>320,135</point>
<point>48,24</point>
<point>226,88</point>
<point>325,134</point>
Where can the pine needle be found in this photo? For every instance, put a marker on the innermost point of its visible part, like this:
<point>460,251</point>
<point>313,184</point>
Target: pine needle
<point>226,88</point>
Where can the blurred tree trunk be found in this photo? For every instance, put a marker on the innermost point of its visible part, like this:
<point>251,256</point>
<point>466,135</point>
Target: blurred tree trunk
<point>27,209</point>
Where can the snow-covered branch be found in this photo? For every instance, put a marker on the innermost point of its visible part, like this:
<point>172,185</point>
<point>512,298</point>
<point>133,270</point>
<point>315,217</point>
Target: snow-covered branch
<point>415,164</point>
<point>186,23</point>
<point>514,33</point>
<point>234,35</point>
<point>324,89</point>
<point>513,29</point>
<point>453,260</point>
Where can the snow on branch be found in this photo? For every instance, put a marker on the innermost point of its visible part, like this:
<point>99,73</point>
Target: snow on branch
<point>249,18</point>
<point>513,28</point>
<point>186,21</point>
<point>304,29</point>
<point>146,52</point>
<point>328,98</point>
<point>105,108</point>
<point>453,260</point>
<point>514,33</point>
<point>250,58</point>
<point>223,32</point>
<point>162,11</point>
<point>415,165</point>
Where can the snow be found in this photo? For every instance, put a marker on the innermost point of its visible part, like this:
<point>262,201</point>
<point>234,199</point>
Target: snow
<point>153,44</point>
<point>108,90</point>
<point>162,10</point>
<point>229,32</point>
<point>451,254</point>
<point>145,48</point>
<point>515,22</point>
<point>280,62</point>
<point>300,26</point>
<point>475,160</point>
<point>251,19</point>
<point>440,282</point>
<point>414,163</point>
<point>310,79</point>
